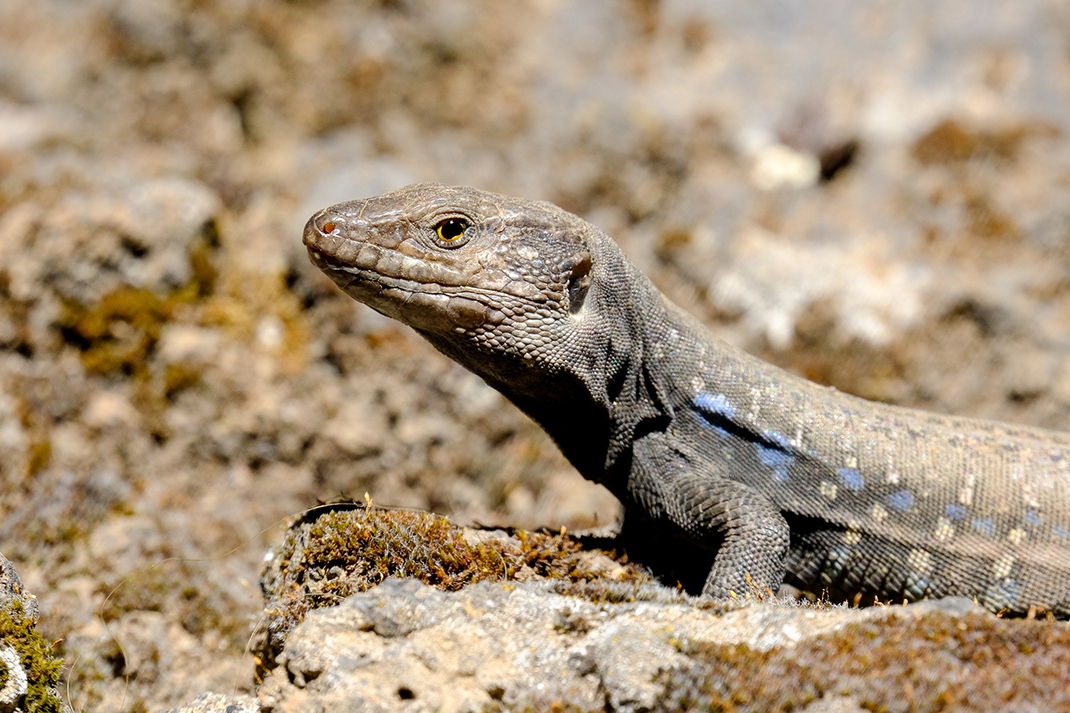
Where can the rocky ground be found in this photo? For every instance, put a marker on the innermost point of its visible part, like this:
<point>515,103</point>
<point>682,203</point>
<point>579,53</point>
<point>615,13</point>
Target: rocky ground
<point>873,195</point>
<point>378,610</point>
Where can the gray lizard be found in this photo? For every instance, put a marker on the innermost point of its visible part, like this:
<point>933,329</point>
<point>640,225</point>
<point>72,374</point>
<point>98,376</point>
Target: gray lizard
<point>777,478</point>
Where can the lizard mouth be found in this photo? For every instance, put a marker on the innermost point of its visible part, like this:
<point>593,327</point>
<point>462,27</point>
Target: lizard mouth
<point>350,277</point>
<point>408,301</point>
<point>324,260</point>
<point>342,273</point>
<point>349,262</point>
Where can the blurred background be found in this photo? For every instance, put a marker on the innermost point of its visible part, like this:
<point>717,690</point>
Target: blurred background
<point>873,194</point>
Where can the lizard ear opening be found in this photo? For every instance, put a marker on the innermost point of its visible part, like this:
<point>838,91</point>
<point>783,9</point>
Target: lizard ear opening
<point>579,281</point>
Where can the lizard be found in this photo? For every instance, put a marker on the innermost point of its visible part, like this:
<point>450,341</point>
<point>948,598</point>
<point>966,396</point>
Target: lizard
<point>777,478</point>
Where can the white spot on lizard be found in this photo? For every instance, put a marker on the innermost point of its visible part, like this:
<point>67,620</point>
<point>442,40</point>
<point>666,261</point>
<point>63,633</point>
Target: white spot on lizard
<point>1003,565</point>
<point>755,403</point>
<point>890,475</point>
<point>966,492</point>
<point>944,529</point>
<point>828,489</point>
<point>1016,536</point>
<point>1029,495</point>
<point>920,561</point>
<point>878,512</point>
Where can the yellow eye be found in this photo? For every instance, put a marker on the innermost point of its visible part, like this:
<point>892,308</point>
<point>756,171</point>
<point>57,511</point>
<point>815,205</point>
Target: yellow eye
<point>451,229</point>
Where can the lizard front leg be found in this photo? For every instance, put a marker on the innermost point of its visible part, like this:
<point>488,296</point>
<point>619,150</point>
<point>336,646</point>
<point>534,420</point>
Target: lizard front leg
<point>712,510</point>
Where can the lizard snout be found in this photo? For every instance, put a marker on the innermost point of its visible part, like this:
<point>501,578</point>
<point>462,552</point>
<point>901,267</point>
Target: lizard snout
<point>327,238</point>
<point>320,226</point>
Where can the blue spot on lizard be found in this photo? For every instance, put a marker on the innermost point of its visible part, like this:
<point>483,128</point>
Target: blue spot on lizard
<point>955,512</point>
<point>916,585</point>
<point>1031,517</point>
<point>984,525</point>
<point>1003,594</point>
<point>773,450</point>
<point>851,478</point>
<point>711,408</point>
<point>900,500</point>
<point>774,437</point>
<point>777,460</point>
<point>715,405</point>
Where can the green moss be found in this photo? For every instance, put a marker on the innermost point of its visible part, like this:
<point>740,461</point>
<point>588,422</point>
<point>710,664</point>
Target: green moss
<point>953,142</point>
<point>948,142</point>
<point>370,545</point>
<point>179,377</point>
<point>402,544</point>
<point>934,663</point>
<point>351,551</point>
<point>119,332</point>
<point>348,550</point>
<point>40,455</point>
<point>42,669</point>
<point>205,274</point>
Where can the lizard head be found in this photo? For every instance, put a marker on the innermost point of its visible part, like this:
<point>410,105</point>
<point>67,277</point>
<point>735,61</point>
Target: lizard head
<point>494,282</point>
<point>540,304</point>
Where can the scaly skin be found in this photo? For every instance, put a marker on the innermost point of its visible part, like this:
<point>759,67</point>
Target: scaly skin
<point>701,442</point>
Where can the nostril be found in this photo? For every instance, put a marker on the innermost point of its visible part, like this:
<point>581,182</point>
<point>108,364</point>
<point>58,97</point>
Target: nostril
<point>322,228</point>
<point>325,221</point>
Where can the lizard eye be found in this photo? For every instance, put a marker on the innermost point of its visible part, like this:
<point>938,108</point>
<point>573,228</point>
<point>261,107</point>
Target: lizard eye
<point>451,230</point>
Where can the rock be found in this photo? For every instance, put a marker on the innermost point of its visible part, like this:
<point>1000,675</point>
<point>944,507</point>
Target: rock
<point>219,703</point>
<point>91,242</point>
<point>342,548</point>
<point>28,671</point>
<point>149,145</point>
<point>520,646</point>
<point>16,685</point>
<point>11,590</point>
<point>532,621</point>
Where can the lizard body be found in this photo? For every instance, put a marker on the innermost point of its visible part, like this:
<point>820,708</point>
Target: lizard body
<point>778,477</point>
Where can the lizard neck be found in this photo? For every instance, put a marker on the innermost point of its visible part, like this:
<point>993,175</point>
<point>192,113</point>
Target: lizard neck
<point>608,386</point>
<point>596,388</point>
<point>608,381</point>
<point>558,399</point>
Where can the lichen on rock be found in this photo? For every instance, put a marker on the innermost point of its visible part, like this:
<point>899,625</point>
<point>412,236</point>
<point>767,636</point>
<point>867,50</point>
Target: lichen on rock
<point>29,673</point>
